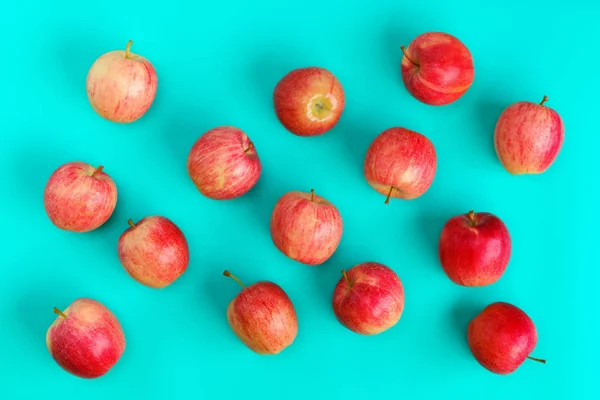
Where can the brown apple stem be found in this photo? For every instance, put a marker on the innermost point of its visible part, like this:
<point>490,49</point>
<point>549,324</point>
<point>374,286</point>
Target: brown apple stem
<point>389,195</point>
<point>407,57</point>
<point>545,99</point>
<point>471,217</point>
<point>97,171</point>
<point>346,277</point>
<point>228,274</point>
<point>250,146</point>
<point>127,48</point>
<point>62,314</point>
<point>312,195</point>
<point>130,222</point>
<point>537,359</point>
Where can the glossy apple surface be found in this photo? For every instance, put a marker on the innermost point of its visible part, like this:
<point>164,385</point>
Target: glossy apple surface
<point>224,164</point>
<point>306,227</point>
<point>86,339</point>
<point>475,248</point>
<point>79,197</point>
<point>121,85</point>
<point>309,101</point>
<point>263,317</point>
<point>154,251</point>
<point>369,298</point>
<point>437,68</point>
<point>501,338</point>
<point>528,137</point>
<point>400,163</point>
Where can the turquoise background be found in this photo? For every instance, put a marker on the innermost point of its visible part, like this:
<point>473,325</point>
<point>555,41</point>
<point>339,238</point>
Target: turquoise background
<point>218,63</point>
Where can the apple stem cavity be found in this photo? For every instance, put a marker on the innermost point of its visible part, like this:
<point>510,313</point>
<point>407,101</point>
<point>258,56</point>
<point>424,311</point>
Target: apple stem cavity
<point>537,359</point>
<point>62,314</point>
<point>346,278</point>
<point>127,48</point>
<point>97,171</point>
<point>131,223</point>
<point>250,146</point>
<point>471,217</point>
<point>312,195</point>
<point>389,195</point>
<point>545,99</point>
<point>407,57</point>
<point>228,274</point>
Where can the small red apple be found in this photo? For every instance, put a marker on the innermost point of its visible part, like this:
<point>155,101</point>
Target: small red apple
<point>474,249</point>
<point>154,251</point>
<point>263,317</point>
<point>86,339</point>
<point>305,227</point>
<point>309,101</point>
<point>79,197</point>
<point>400,163</point>
<point>528,137</point>
<point>437,68</point>
<point>369,298</point>
<point>121,85</point>
<point>501,337</point>
<point>224,164</point>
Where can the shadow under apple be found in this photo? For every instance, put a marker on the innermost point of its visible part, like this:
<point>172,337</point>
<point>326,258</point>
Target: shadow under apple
<point>460,315</point>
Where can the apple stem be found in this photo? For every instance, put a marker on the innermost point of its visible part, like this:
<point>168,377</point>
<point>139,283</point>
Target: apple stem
<point>130,222</point>
<point>407,57</point>
<point>537,359</point>
<point>389,195</point>
<point>312,195</point>
<point>346,277</point>
<point>545,99</point>
<point>471,217</point>
<point>250,146</point>
<point>127,48</point>
<point>62,314</point>
<point>228,274</point>
<point>97,171</point>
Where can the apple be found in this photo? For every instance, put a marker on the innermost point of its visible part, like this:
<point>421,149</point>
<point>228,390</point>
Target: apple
<point>154,251</point>
<point>368,299</point>
<point>306,227</point>
<point>79,197</point>
<point>263,317</point>
<point>223,163</point>
<point>474,249</point>
<point>121,85</point>
<point>528,137</point>
<point>437,68</point>
<point>501,338</point>
<point>400,163</point>
<point>309,101</point>
<point>86,339</point>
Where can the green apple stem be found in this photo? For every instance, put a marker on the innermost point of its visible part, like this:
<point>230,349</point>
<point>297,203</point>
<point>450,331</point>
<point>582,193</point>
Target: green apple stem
<point>545,99</point>
<point>97,171</point>
<point>537,359</point>
<point>346,277</point>
<point>471,217</point>
<point>130,222</point>
<point>389,195</point>
<point>312,195</point>
<point>62,314</point>
<point>127,48</point>
<point>228,274</point>
<point>407,57</point>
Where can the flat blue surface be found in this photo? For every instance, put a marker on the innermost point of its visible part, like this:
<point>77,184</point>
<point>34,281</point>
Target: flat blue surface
<point>217,64</point>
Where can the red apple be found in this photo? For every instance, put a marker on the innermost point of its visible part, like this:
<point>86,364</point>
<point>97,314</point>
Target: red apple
<point>501,337</point>
<point>309,101</point>
<point>224,164</point>
<point>369,299</point>
<point>528,137</point>
<point>437,68</point>
<point>79,197</point>
<point>154,251</point>
<point>474,249</point>
<point>400,163</point>
<point>86,339</point>
<point>263,317</point>
<point>121,85</point>
<point>305,227</point>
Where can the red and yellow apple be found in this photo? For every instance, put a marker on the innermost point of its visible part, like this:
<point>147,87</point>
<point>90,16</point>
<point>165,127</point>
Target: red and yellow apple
<point>154,251</point>
<point>224,164</point>
<point>263,317</point>
<point>86,339</point>
<point>309,101</point>
<point>400,163</point>
<point>306,227</point>
<point>79,197</point>
<point>369,298</point>
<point>528,137</point>
<point>437,68</point>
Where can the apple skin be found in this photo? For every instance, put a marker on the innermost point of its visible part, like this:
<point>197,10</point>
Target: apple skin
<point>154,251</point>
<point>88,342</point>
<point>79,197</point>
<point>400,163</point>
<point>306,227</point>
<point>501,337</point>
<point>309,101</point>
<point>368,299</point>
<point>224,164</point>
<point>437,68</point>
<point>474,249</point>
<point>528,137</point>
<point>121,85</point>
<point>263,317</point>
